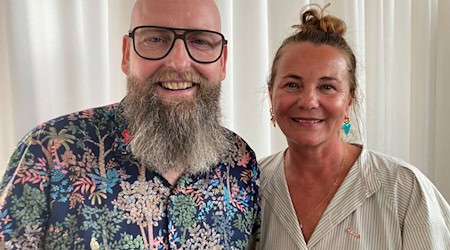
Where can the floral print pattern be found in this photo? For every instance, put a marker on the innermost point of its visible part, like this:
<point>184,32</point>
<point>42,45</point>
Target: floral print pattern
<point>73,184</point>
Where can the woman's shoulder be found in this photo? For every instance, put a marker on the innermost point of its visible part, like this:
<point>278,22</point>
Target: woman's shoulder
<point>389,166</point>
<point>270,162</point>
<point>402,186</point>
<point>399,177</point>
<point>388,170</point>
<point>268,165</point>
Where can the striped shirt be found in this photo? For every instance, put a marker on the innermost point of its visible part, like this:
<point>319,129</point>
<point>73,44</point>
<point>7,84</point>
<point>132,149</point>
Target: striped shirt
<point>383,203</point>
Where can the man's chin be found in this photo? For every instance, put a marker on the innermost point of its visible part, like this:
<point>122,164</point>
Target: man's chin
<point>175,127</point>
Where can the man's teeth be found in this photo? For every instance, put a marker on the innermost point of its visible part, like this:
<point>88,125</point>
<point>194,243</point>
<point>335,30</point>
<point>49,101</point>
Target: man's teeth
<point>176,85</point>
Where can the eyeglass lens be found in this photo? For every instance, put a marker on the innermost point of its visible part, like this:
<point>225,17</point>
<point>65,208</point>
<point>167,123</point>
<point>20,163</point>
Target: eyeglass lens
<point>156,43</point>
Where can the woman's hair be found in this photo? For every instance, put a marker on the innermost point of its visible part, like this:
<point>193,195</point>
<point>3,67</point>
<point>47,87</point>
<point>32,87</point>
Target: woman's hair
<point>319,29</point>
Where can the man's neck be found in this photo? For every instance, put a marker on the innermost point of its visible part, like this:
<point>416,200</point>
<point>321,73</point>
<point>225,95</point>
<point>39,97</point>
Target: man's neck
<point>172,176</point>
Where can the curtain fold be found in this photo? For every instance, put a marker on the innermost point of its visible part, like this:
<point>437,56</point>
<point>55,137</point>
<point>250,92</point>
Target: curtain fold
<point>61,56</point>
<point>6,122</point>
<point>423,114</point>
<point>441,137</point>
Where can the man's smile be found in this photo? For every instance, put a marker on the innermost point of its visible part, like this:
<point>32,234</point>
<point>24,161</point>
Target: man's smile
<point>176,85</point>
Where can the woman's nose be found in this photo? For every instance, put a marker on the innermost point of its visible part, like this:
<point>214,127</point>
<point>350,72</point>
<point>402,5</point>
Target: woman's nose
<point>308,99</point>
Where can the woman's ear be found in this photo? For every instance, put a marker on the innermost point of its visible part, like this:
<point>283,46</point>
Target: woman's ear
<point>269,89</point>
<point>349,104</point>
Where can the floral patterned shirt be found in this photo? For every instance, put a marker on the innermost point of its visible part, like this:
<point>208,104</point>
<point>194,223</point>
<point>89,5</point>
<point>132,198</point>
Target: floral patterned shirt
<point>72,184</point>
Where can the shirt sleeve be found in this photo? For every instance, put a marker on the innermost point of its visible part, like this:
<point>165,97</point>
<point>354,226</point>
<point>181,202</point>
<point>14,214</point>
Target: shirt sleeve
<point>23,195</point>
<point>427,220</point>
<point>254,242</point>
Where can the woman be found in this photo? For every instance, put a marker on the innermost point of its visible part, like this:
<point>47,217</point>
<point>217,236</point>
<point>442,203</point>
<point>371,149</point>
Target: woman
<point>324,193</point>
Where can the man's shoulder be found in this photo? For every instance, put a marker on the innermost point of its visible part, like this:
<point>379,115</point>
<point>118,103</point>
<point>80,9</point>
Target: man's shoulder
<point>231,134</point>
<point>87,115</point>
<point>87,123</point>
<point>239,153</point>
<point>236,138</point>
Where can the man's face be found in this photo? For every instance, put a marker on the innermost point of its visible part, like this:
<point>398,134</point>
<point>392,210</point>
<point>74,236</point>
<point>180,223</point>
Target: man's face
<point>172,128</point>
<point>192,14</point>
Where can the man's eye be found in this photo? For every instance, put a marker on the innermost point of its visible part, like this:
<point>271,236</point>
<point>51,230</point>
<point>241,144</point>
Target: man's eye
<point>154,42</point>
<point>200,42</point>
<point>203,40</point>
<point>153,39</point>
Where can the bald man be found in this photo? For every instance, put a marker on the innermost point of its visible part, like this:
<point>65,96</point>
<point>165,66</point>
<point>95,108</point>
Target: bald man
<point>155,171</point>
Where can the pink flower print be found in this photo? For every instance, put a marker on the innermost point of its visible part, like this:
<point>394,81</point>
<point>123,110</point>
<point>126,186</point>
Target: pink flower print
<point>126,136</point>
<point>87,113</point>
<point>244,160</point>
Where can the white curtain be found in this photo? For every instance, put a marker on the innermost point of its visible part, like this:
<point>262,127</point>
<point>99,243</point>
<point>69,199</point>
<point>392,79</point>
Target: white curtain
<point>58,56</point>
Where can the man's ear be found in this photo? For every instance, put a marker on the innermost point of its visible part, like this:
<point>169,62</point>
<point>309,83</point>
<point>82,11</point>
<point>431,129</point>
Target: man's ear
<point>223,63</point>
<point>126,43</point>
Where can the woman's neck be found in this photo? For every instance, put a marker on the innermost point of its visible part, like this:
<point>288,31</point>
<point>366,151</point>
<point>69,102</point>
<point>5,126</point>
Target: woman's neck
<point>315,160</point>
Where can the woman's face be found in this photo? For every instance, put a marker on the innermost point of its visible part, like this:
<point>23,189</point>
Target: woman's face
<point>310,95</point>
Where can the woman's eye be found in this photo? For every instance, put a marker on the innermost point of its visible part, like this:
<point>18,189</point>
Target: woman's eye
<point>292,85</point>
<point>327,87</point>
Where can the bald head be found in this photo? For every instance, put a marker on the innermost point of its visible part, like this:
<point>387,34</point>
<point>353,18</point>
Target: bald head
<point>187,14</point>
<point>177,14</point>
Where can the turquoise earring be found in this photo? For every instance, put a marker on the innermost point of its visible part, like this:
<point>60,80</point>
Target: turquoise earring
<point>346,126</point>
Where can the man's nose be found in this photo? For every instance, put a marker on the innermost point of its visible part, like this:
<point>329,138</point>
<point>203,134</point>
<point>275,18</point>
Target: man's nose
<point>178,58</point>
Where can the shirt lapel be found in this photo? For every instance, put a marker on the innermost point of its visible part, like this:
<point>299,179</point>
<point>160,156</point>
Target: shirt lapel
<point>359,184</point>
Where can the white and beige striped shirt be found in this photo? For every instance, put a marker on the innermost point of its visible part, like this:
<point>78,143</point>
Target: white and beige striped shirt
<point>383,203</point>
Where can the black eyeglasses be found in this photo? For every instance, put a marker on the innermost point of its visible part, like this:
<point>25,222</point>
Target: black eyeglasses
<point>155,43</point>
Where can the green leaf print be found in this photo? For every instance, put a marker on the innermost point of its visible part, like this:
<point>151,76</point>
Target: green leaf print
<point>103,222</point>
<point>29,208</point>
<point>129,242</point>
<point>63,235</point>
<point>184,213</point>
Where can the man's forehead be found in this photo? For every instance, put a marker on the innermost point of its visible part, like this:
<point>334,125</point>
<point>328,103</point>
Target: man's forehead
<point>193,14</point>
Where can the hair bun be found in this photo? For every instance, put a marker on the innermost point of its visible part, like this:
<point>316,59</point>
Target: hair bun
<point>314,19</point>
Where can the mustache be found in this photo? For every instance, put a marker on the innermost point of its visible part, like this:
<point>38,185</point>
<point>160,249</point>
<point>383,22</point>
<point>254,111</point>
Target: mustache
<point>171,75</point>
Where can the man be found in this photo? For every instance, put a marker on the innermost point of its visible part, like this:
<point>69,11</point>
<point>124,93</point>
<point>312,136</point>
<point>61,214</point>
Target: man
<point>156,171</point>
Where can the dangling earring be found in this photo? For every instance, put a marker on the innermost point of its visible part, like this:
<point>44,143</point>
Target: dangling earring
<point>272,118</point>
<point>346,126</point>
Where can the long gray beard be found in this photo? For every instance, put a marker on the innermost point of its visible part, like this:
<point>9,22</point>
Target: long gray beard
<point>182,134</point>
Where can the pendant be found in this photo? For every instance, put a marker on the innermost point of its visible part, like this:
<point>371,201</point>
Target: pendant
<point>346,127</point>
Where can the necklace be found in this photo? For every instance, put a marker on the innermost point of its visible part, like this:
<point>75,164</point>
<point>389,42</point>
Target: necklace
<point>333,185</point>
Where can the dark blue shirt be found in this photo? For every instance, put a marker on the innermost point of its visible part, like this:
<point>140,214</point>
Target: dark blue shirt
<point>72,184</point>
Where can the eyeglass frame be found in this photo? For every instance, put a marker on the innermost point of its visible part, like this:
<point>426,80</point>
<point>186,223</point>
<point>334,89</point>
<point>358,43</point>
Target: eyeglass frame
<point>182,36</point>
